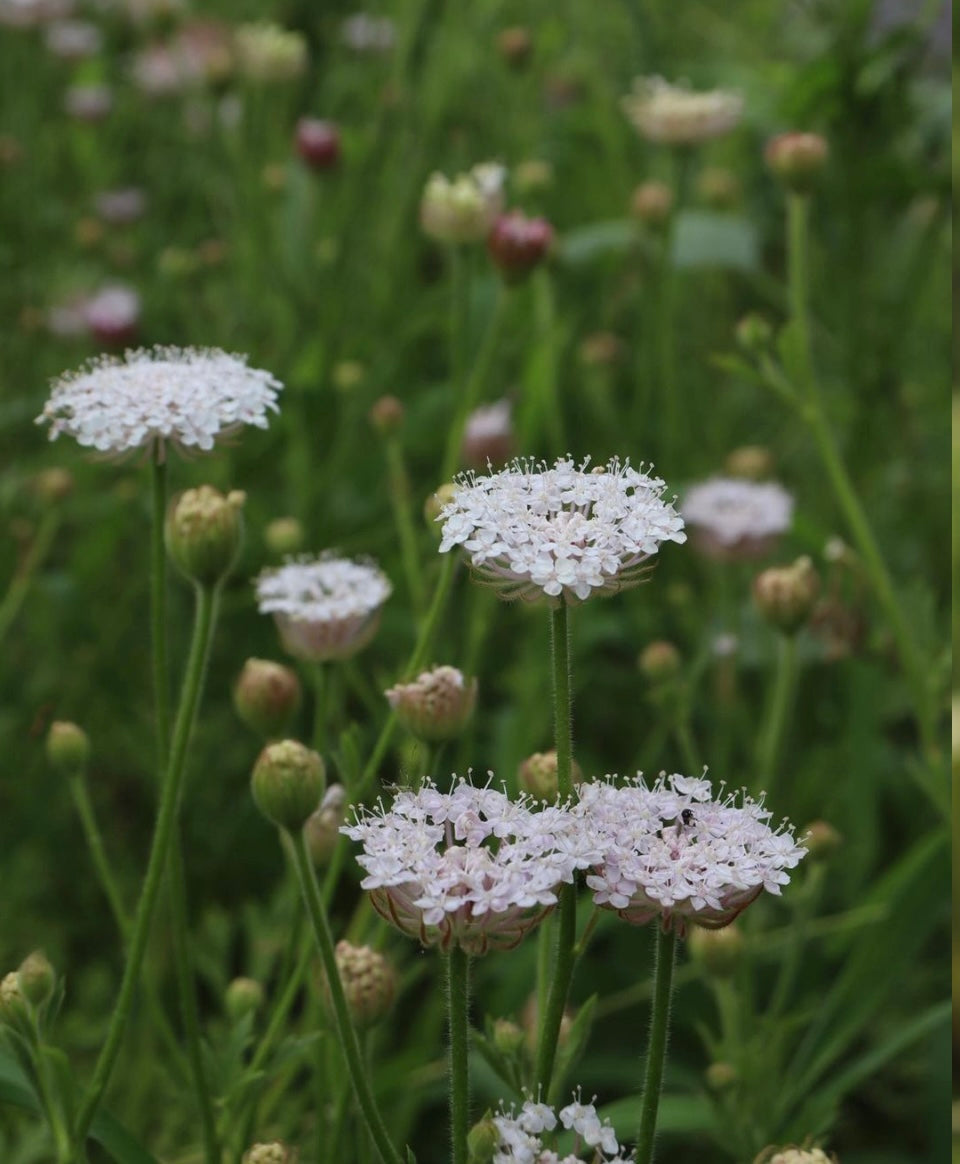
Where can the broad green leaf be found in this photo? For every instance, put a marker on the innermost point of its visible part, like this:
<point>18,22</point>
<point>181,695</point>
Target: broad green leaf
<point>702,239</point>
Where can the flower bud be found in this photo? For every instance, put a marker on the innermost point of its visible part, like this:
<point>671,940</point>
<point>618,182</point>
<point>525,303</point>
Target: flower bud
<point>284,535</point>
<point>652,204</point>
<point>36,978</point>
<point>797,159</point>
<point>52,485</point>
<point>68,748</point>
<point>795,1156</point>
<point>718,188</point>
<point>204,532</point>
<point>660,661</point>
<point>462,211</point>
<point>538,775</point>
<point>754,333</point>
<point>753,462</point>
<point>266,697</point>
<point>718,952</point>
<point>318,143</point>
<point>785,595</point>
<point>322,830</point>
<point>508,1038</point>
<point>243,996</point>
<point>532,175</point>
<point>483,1139</point>
<point>287,783</point>
<point>517,244</point>
<point>13,1002</point>
<point>488,436</point>
<point>436,705</point>
<point>386,415</point>
<point>369,983</point>
<point>821,840</point>
<point>721,1075</point>
<point>347,375</point>
<point>276,1152</point>
<point>515,46</point>
<point>601,349</point>
<point>435,503</point>
<point>113,316</point>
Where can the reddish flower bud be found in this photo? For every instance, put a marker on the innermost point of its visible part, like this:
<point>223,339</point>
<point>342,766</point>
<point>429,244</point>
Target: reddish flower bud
<point>797,159</point>
<point>318,143</point>
<point>517,244</point>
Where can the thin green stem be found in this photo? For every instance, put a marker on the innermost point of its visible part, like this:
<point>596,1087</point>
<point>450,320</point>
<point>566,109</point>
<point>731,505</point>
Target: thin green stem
<point>458,1003</point>
<point>20,583</point>
<point>158,613</point>
<point>778,711</point>
<point>469,395</point>
<point>98,854</point>
<point>562,720</point>
<point>657,1046</point>
<point>346,1031</point>
<point>798,933</point>
<point>322,676</point>
<point>400,501</point>
<point>159,850</point>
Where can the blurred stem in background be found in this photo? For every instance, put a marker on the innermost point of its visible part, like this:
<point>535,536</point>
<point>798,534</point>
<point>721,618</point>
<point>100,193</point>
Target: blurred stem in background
<point>672,407</point>
<point>779,710</point>
<point>19,585</point>
<point>401,494</point>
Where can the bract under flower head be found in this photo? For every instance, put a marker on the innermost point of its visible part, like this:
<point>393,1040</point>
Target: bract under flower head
<point>188,397</point>
<point>674,852</point>
<point>677,115</point>
<point>734,518</point>
<point>564,532</point>
<point>469,867</point>
<point>520,1134</point>
<point>326,608</point>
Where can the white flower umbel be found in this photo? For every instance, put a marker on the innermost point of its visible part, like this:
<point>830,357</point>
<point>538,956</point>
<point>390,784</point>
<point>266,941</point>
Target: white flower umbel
<point>677,115</point>
<point>672,851</point>
<point>521,1134</point>
<point>469,867</point>
<point>565,532</point>
<point>326,608</point>
<point>733,518</point>
<point>187,397</point>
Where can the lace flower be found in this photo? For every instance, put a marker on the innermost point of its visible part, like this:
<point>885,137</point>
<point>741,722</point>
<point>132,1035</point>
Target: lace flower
<point>674,852</point>
<point>188,397</point>
<point>469,867</point>
<point>735,519</point>
<point>677,115</point>
<point>325,608</point>
<point>520,1134</point>
<point>564,532</point>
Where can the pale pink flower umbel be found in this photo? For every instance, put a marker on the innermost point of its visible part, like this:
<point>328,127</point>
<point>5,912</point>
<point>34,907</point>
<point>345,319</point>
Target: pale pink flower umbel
<point>732,519</point>
<point>326,608</point>
<point>187,397</point>
<point>671,851</point>
<point>521,1134</point>
<point>564,532</point>
<point>469,867</point>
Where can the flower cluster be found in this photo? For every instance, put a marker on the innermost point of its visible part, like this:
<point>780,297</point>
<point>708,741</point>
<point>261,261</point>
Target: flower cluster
<point>463,210</point>
<point>564,532</point>
<point>188,397</point>
<point>677,115</point>
<point>436,705</point>
<point>469,867</point>
<point>674,852</point>
<point>326,608</point>
<point>735,517</point>
<point>519,1136</point>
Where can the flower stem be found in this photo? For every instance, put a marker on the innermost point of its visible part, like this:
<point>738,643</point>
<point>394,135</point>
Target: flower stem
<point>458,1001</point>
<point>469,393</point>
<point>552,1016</point>
<point>669,386</point>
<point>657,1047</point>
<point>20,583</point>
<point>101,863</point>
<point>346,1031</point>
<point>778,714</point>
<point>158,615</point>
<point>399,482</point>
<point>163,834</point>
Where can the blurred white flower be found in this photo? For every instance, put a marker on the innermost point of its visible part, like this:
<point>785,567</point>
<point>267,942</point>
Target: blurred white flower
<point>671,851</point>
<point>120,207</point>
<point>268,53</point>
<point>463,210</point>
<point>32,13</point>
<point>564,532</point>
<point>469,867</point>
<point>113,314</point>
<point>677,115</point>
<point>88,102</point>
<point>188,397</point>
<point>325,608</point>
<point>368,34</point>
<point>73,40</point>
<point>734,518</point>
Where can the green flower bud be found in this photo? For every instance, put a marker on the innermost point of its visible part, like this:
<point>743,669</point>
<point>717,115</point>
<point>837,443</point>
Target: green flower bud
<point>660,661</point>
<point>288,782</point>
<point>13,1002</point>
<point>434,503</point>
<point>204,532</point>
<point>754,334</point>
<point>276,1152</point>
<point>797,159</point>
<point>719,952</point>
<point>369,983</point>
<point>243,996</point>
<point>721,1075</point>
<point>483,1140</point>
<point>753,462</point>
<point>821,841</point>
<point>284,535</point>
<point>786,595</point>
<point>68,748</point>
<point>36,978</point>
<point>267,697</point>
<point>508,1038</point>
<point>538,775</point>
<point>652,204</point>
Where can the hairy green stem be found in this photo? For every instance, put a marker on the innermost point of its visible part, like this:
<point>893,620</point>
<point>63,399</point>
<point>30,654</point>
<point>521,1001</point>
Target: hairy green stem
<point>346,1031</point>
<point>778,711</point>
<point>458,1003</point>
<point>159,850</point>
<point>657,1046</point>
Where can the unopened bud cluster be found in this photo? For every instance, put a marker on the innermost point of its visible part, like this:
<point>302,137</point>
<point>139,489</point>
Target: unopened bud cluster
<point>797,159</point>
<point>204,532</point>
<point>538,775</point>
<point>288,782</point>
<point>652,203</point>
<point>68,748</point>
<point>322,830</point>
<point>369,983</point>
<point>660,661</point>
<point>785,595</point>
<point>436,705</point>
<point>243,996</point>
<point>267,697</point>
<point>275,1152</point>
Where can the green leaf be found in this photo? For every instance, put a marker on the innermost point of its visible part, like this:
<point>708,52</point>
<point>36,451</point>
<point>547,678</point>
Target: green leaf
<point>703,239</point>
<point>597,240</point>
